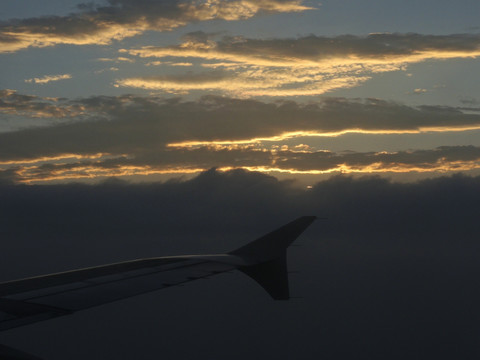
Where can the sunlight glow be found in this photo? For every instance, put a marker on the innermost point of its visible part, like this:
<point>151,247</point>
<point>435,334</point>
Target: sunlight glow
<point>61,157</point>
<point>29,175</point>
<point>298,134</point>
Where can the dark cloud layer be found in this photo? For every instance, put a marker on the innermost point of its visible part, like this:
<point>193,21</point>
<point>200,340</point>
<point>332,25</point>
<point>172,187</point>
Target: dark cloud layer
<point>136,124</point>
<point>391,274</point>
<point>129,135</point>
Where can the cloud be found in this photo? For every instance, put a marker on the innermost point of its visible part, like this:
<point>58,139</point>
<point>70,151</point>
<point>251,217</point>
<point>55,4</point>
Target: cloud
<point>48,78</point>
<point>312,50</point>
<point>469,101</point>
<point>420,91</point>
<point>160,161</point>
<point>245,189</point>
<point>181,64</point>
<point>375,278</point>
<point>154,121</point>
<point>125,18</point>
<point>245,83</point>
<point>101,71</point>
<point>309,65</point>
<point>13,103</point>
<point>222,120</point>
<point>135,135</point>
<point>117,59</point>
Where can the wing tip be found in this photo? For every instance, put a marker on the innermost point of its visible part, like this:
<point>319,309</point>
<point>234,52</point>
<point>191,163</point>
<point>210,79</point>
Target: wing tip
<point>274,243</point>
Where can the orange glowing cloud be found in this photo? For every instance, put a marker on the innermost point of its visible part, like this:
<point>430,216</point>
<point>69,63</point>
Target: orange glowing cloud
<point>28,175</point>
<point>306,134</point>
<point>56,159</point>
<point>296,161</point>
<point>247,83</point>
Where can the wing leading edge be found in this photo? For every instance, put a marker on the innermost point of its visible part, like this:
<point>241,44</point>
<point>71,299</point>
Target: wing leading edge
<point>44,297</point>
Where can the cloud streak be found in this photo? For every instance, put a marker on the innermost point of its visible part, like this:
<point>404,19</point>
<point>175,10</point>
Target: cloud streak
<point>309,65</point>
<point>48,78</point>
<point>120,19</point>
<point>66,167</point>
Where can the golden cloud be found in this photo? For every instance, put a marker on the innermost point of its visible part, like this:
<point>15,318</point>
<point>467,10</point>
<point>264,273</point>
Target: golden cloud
<point>296,67</point>
<point>126,18</point>
<point>48,78</point>
<point>301,161</point>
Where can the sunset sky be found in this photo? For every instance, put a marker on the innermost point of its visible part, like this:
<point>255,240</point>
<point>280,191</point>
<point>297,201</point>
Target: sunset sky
<point>147,90</point>
<point>142,128</point>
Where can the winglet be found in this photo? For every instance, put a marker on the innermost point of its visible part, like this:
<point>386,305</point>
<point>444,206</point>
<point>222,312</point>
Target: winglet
<point>273,244</point>
<point>268,257</point>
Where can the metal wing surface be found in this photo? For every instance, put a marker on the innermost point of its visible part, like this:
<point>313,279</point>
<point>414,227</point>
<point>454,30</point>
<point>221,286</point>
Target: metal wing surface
<point>44,297</point>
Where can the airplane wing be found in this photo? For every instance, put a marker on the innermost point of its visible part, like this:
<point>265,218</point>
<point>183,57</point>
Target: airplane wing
<point>44,297</point>
<point>40,298</point>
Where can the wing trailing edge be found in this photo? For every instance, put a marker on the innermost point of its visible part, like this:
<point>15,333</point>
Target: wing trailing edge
<point>8,353</point>
<point>272,276</point>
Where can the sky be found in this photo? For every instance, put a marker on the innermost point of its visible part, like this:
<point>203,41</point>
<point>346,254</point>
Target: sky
<point>150,90</point>
<point>132,129</point>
